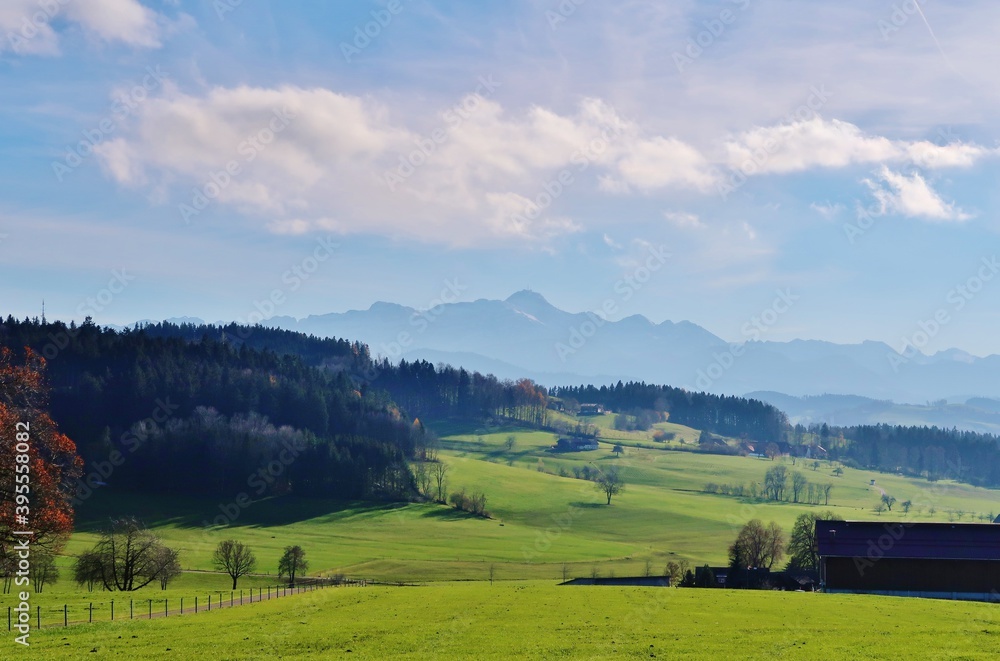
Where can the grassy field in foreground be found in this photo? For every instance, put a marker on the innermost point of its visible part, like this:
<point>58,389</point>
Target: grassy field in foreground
<point>542,620</point>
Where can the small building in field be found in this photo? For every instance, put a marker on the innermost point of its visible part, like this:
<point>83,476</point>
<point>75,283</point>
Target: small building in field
<point>576,444</point>
<point>591,409</point>
<point>937,560</point>
<point>711,577</point>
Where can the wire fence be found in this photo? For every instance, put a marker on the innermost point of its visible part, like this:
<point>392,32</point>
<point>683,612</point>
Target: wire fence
<point>136,609</point>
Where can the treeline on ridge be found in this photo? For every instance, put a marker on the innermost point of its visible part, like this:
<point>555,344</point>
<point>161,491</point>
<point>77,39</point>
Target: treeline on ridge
<point>729,416</point>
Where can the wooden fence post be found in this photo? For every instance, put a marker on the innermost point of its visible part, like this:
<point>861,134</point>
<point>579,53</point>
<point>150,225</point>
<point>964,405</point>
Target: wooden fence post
<point>90,619</point>
<point>65,616</point>
<point>112,610</point>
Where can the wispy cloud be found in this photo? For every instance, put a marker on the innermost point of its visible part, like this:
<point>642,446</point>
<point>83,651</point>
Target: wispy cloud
<point>911,196</point>
<point>27,25</point>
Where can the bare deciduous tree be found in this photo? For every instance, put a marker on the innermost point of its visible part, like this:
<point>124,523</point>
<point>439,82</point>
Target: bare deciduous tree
<point>170,567</point>
<point>757,545</point>
<point>128,557</point>
<point>610,482</point>
<point>799,482</point>
<point>440,474</point>
<point>235,558</point>
<point>43,570</point>
<point>87,569</point>
<point>293,563</point>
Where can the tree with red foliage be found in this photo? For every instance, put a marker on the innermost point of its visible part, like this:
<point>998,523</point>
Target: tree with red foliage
<point>54,463</point>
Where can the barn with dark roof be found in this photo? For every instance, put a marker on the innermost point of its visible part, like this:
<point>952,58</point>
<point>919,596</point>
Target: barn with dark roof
<point>939,560</point>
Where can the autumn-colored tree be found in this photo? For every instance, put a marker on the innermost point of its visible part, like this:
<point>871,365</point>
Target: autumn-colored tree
<point>52,458</point>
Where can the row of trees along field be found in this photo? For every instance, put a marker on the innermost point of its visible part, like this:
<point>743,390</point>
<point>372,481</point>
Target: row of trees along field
<point>928,452</point>
<point>779,485</point>
<point>128,557</point>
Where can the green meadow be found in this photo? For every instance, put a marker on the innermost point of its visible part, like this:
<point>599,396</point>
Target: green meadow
<point>545,523</point>
<point>540,620</point>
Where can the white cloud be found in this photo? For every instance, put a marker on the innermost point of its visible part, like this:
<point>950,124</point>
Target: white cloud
<point>826,209</point>
<point>486,176</point>
<point>683,220</point>
<point>662,162</point>
<point>611,243</point>
<point>26,25</point>
<point>26,29</point>
<point>911,196</point>
<point>126,21</point>
<point>798,146</point>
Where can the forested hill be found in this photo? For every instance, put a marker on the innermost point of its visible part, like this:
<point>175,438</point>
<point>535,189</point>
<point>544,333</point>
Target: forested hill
<point>203,414</point>
<point>731,416</point>
<point>423,389</point>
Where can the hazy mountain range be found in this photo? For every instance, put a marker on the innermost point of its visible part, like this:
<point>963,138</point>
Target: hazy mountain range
<point>525,335</point>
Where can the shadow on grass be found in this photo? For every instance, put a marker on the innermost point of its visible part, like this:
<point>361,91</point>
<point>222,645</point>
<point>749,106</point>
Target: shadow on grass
<point>184,511</point>
<point>588,505</point>
<point>448,514</point>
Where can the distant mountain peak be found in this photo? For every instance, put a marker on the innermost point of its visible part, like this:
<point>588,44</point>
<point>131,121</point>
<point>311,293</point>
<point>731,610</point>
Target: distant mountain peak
<point>527,296</point>
<point>533,304</point>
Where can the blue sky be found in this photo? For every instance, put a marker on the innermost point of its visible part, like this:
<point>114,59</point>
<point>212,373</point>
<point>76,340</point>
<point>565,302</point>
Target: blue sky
<point>843,152</point>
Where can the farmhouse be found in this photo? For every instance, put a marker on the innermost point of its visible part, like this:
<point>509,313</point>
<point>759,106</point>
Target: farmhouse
<point>937,560</point>
<point>591,409</point>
